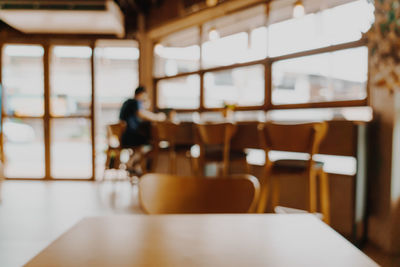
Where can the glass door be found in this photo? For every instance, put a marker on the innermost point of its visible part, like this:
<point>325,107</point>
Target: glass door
<point>71,112</point>
<point>49,129</point>
<point>23,110</point>
<point>116,69</point>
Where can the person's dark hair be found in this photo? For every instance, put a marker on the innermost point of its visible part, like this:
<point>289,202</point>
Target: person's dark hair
<point>140,90</point>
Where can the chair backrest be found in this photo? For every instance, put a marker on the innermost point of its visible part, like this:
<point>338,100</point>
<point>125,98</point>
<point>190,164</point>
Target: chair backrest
<point>166,131</point>
<point>246,136</point>
<point>215,133</point>
<point>301,137</point>
<point>114,133</point>
<point>170,194</point>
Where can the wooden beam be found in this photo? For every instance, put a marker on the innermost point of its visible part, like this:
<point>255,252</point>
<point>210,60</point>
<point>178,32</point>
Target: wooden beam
<point>2,110</point>
<point>145,59</point>
<point>47,122</point>
<point>200,17</point>
<point>92,111</point>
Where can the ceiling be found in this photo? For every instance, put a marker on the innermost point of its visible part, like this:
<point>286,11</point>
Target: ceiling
<point>105,17</point>
<point>119,17</point>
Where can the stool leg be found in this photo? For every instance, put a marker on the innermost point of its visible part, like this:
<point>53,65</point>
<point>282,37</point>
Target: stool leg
<point>325,196</point>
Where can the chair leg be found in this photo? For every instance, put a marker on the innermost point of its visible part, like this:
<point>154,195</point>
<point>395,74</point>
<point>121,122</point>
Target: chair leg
<point>265,185</point>
<point>325,196</point>
<point>276,191</point>
<point>221,170</point>
<point>172,162</point>
<point>312,190</point>
<point>225,168</point>
<point>196,166</point>
<point>263,201</point>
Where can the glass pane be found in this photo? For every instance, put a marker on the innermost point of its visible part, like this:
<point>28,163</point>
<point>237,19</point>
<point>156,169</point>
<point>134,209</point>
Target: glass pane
<point>71,149</point>
<point>178,53</point>
<point>347,22</point>
<point>24,148</point>
<point>258,44</point>
<point>179,93</point>
<point>225,51</point>
<point>116,67</point>
<point>241,86</point>
<point>336,25</point>
<point>235,38</point>
<point>23,80</point>
<point>70,80</point>
<point>295,35</point>
<point>336,76</point>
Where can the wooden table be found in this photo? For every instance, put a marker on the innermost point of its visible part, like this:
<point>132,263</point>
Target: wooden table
<point>202,240</point>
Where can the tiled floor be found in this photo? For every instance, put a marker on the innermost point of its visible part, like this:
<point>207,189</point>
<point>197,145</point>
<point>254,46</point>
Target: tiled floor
<point>34,213</point>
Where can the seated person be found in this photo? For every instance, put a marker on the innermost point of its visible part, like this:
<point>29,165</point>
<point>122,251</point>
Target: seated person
<point>137,117</point>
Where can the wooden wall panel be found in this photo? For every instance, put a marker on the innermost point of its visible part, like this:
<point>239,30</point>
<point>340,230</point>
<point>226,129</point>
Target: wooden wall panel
<point>167,11</point>
<point>340,139</point>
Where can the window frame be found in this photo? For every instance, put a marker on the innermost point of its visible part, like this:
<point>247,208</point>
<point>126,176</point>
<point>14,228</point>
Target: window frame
<point>47,117</point>
<point>267,62</point>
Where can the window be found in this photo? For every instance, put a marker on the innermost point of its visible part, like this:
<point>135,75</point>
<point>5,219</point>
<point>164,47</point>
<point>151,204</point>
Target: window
<point>23,80</point>
<point>68,123</point>
<point>71,155</point>
<point>240,86</point>
<point>179,93</point>
<point>24,148</point>
<point>235,38</point>
<point>179,53</point>
<point>335,76</point>
<point>225,51</point>
<point>251,60</point>
<point>340,24</point>
<point>70,103</point>
<point>70,80</point>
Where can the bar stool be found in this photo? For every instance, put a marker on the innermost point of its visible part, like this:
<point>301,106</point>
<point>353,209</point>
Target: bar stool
<point>114,148</point>
<point>304,137</point>
<point>214,140</point>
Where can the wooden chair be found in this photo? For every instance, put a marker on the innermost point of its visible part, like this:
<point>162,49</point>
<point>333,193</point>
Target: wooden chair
<point>169,194</point>
<point>165,131</point>
<point>114,146</point>
<point>214,140</point>
<point>305,137</point>
<point>113,161</point>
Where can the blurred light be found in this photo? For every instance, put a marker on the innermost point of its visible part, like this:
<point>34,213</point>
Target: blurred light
<point>213,34</point>
<point>298,9</point>
<point>211,3</point>
<point>158,48</point>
